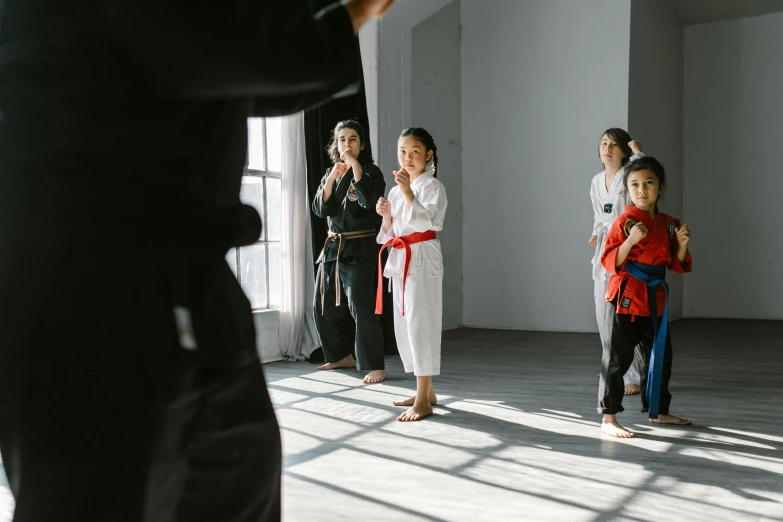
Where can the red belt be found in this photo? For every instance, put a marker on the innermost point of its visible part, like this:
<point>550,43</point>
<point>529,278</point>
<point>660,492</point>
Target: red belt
<point>399,242</point>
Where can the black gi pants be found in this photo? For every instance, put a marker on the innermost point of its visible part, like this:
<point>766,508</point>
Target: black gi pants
<point>358,299</point>
<point>623,336</point>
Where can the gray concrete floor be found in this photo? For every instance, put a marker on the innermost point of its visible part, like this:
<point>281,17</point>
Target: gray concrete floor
<point>516,435</point>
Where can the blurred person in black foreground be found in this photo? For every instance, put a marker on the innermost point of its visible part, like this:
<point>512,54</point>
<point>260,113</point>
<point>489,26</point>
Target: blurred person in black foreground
<point>130,388</point>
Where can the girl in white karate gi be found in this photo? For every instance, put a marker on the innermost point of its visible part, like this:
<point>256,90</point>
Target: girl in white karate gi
<point>616,149</point>
<point>412,215</point>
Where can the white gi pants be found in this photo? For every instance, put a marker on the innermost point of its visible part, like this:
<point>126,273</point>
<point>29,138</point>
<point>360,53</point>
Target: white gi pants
<point>419,332</point>
<point>601,307</point>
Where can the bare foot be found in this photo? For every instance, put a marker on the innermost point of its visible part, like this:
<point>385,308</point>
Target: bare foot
<point>671,419</point>
<point>613,429</point>
<point>632,389</point>
<point>416,413</point>
<point>375,377</point>
<point>410,401</point>
<point>348,362</point>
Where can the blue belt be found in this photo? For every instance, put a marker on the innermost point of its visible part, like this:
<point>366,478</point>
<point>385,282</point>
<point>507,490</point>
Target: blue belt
<point>653,276</point>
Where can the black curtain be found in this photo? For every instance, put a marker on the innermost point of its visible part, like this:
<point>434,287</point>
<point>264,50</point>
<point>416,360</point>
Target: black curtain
<point>319,123</point>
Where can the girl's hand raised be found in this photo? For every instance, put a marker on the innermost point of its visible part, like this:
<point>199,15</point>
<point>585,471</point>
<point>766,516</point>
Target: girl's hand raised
<point>636,146</point>
<point>403,180</point>
<point>683,236</point>
<point>383,208</point>
<point>638,232</point>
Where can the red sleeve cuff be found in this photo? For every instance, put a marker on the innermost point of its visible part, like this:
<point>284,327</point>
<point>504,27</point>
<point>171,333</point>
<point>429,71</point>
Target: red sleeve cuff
<point>684,267</point>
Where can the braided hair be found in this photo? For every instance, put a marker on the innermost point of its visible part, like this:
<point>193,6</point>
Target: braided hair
<point>429,145</point>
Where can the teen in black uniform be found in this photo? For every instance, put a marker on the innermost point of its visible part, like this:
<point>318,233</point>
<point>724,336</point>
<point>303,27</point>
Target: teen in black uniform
<point>130,387</point>
<point>346,266</point>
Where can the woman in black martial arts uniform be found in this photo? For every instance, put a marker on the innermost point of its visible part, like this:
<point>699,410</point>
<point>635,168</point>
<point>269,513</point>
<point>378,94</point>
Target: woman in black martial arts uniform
<point>346,198</point>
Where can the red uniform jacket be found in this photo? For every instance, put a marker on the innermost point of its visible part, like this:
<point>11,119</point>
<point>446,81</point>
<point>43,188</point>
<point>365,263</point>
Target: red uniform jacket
<point>658,247</point>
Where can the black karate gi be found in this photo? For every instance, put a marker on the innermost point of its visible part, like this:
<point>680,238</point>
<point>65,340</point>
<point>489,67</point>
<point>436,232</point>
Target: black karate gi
<point>350,208</point>
<point>123,139</point>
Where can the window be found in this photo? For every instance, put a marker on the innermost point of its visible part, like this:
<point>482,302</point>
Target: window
<point>258,266</point>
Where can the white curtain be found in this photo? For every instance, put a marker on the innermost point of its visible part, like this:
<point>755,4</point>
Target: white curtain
<point>297,336</point>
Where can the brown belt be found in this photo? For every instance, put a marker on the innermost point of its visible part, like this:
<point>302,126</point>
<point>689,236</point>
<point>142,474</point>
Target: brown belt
<point>341,237</point>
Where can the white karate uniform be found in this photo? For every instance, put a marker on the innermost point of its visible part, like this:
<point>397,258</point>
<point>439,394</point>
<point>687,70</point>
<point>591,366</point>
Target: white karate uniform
<point>418,332</point>
<point>601,198</point>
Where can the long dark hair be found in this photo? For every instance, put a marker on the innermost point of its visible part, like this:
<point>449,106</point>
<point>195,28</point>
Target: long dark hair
<point>429,144</point>
<point>621,138</point>
<point>365,154</point>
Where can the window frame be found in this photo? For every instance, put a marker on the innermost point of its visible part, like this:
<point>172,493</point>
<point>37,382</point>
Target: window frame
<point>263,174</point>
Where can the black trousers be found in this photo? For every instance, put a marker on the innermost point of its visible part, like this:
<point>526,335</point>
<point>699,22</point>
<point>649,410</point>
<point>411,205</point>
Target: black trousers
<point>624,333</point>
<point>104,415</point>
<point>358,299</point>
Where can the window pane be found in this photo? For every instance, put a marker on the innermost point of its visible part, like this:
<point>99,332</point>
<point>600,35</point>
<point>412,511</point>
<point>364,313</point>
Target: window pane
<point>231,259</point>
<point>255,144</point>
<point>274,217</point>
<point>252,193</point>
<point>274,144</point>
<point>252,259</point>
<point>275,274</point>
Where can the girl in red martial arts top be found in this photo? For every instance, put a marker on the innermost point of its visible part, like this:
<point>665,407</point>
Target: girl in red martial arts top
<point>640,245</point>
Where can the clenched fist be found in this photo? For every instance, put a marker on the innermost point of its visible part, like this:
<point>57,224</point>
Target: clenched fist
<point>383,208</point>
<point>683,236</point>
<point>638,232</point>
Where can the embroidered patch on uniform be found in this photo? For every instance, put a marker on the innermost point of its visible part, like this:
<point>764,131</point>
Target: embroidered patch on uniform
<point>623,192</point>
<point>187,338</point>
<point>671,227</point>
<point>352,195</point>
<point>626,302</point>
<point>608,208</point>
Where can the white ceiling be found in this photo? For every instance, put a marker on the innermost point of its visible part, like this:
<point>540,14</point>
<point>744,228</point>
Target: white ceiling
<point>413,12</point>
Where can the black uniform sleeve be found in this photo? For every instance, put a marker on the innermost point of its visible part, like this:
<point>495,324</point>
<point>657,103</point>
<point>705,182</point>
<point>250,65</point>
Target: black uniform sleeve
<point>370,186</point>
<point>329,209</point>
<point>279,53</point>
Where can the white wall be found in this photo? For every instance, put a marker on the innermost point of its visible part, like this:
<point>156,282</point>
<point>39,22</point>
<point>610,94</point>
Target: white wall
<point>733,158</point>
<point>267,324</point>
<point>413,12</point>
<point>370,51</point>
<point>655,106</point>
<point>429,96</point>
<point>395,69</point>
<point>386,48</point>
<point>436,99</point>
<point>540,81</point>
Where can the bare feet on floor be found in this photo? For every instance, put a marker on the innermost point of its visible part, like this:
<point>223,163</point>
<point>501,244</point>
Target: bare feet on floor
<point>632,389</point>
<point>411,400</point>
<point>375,377</point>
<point>671,419</point>
<point>348,362</point>
<point>421,403</point>
<point>416,413</point>
<point>611,427</point>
